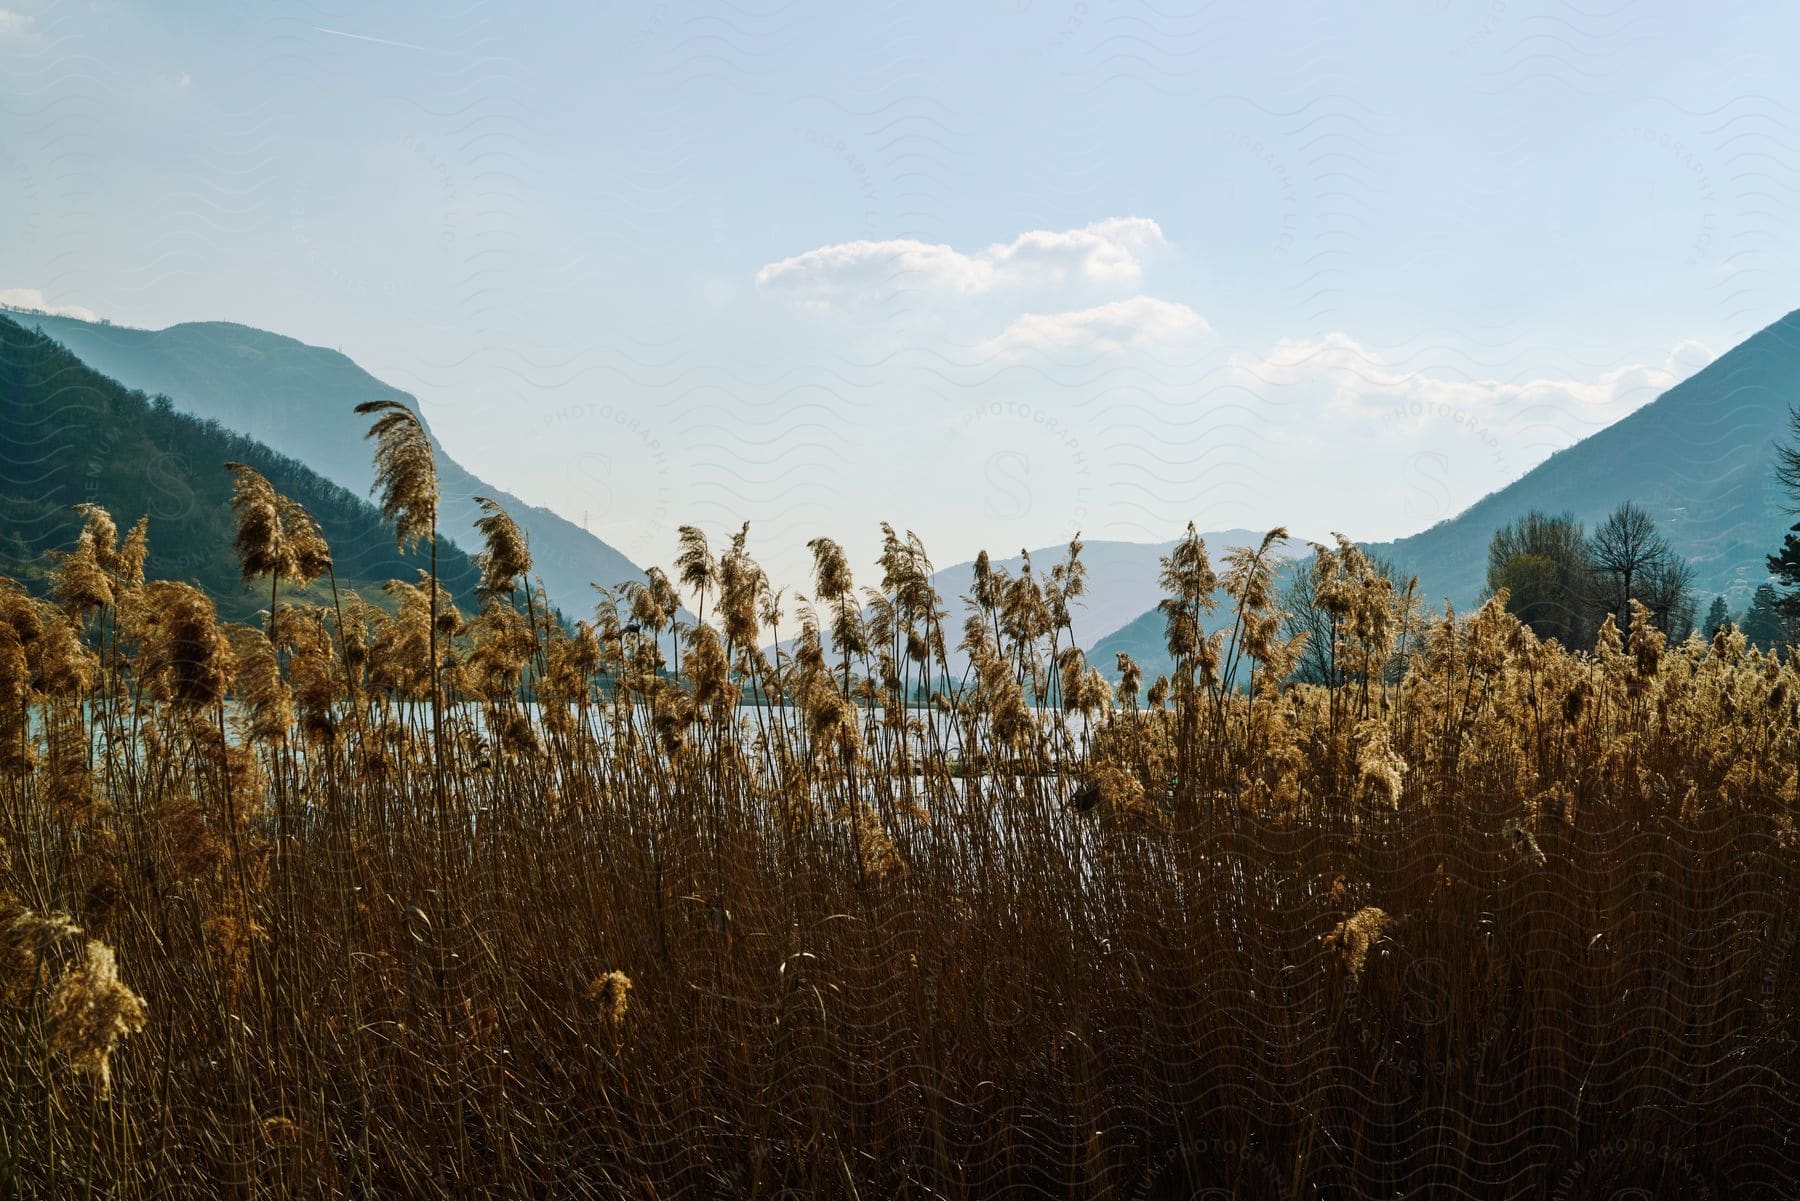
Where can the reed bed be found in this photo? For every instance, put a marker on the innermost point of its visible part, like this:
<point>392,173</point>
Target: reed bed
<point>394,901</point>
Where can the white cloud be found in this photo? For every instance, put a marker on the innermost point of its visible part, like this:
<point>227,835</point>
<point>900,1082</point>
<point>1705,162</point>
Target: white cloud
<point>1107,252</point>
<point>12,22</point>
<point>852,269</point>
<point>31,298</point>
<point>1122,325</point>
<point>1110,251</point>
<point>1359,377</point>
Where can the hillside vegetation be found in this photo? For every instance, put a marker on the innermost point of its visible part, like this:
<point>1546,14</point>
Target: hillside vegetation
<point>292,396</point>
<point>70,436</point>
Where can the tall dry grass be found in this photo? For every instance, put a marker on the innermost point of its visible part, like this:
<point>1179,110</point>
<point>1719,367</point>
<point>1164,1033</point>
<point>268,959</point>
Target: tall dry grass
<point>393,900</point>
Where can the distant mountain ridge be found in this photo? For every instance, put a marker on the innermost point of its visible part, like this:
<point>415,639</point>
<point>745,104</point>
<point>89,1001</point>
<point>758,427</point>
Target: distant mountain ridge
<point>298,399</point>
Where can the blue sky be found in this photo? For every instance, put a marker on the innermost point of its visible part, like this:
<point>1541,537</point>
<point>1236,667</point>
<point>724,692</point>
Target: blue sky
<point>992,272</point>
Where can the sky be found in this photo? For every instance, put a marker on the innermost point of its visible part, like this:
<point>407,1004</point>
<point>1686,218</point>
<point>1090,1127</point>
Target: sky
<point>994,272</point>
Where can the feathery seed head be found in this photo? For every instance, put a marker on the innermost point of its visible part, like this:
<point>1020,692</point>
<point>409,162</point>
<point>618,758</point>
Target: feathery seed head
<point>1355,936</point>
<point>91,1011</point>
<point>184,656</point>
<point>506,556</point>
<point>82,584</point>
<point>261,545</point>
<point>609,991</point>
<point>405,471</point>
<point>831,571</point>
<point>309,555</point>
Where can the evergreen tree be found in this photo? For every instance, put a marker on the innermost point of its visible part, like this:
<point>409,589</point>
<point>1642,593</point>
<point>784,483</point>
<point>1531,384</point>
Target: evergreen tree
<point>1718,615</point>
<point>1764,623</point>
<point>1784,564</point>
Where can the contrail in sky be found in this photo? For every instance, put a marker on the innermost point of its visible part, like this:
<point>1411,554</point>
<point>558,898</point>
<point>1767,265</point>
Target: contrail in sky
<point>363,37</point>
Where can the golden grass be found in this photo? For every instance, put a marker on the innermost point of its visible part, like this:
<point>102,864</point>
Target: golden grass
<point>1466,921</point>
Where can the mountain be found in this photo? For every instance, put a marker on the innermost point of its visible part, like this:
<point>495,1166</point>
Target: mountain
<point>1142,639</point>
<point>69,435</point>
<point>1699,459</point>
<point>298,399</point>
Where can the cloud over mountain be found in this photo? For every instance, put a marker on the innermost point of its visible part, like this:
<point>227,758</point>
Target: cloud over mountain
<point>31,298</point>
<point>1357,376</point>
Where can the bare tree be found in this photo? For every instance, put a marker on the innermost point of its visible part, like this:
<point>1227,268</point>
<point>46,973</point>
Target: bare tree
<point>1626,548</point>
<point>1668,592</point>
<point>1303,614</point>
<point>1787,461</point>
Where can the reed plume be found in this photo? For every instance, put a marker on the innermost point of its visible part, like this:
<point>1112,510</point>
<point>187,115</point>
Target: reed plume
<point>609,991</point>
<point>259,686</point>
<point>406,478</point>
<point>316,671</point>
<point>183,656</point>
<point>275,537</point>
<point>695,566</point>
<point>709,670</point>
<point>309,555</point>
<point>405,471</point>
<point>133,552</point>
<point>261,544</point>
<point>833,585</point>
<point>740,582</point>
<point>506,557</point>
<point>1355,936</point>
<point>20,628</point>
<point>500,644</point>
<point>91,1011</point>
<point>82,583</point>
<point>1187,577</point>
<point>27,938</point>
